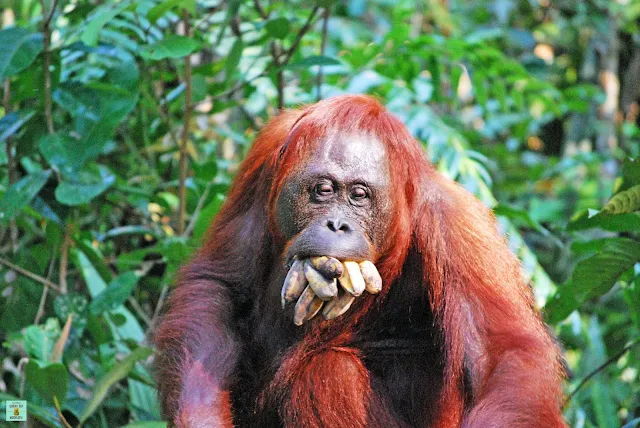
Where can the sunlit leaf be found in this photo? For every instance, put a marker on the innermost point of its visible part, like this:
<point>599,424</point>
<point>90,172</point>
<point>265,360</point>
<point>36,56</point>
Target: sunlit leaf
<point>21,193</point>
<point>19,47</point>
<point>113,376</point>
<point>48,379</point>
<point>171,47</point>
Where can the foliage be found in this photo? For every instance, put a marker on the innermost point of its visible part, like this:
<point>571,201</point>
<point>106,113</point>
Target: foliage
<point>102,104</point>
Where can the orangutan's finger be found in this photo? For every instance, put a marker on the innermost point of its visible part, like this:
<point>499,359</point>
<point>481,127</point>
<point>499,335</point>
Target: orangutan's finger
<point>294,283</point>
<point>351,279</point>
<point>323,287</point>
<point>338,305</point>
<point>372,280</point>
<point>307,306</point>
<point>329,267</point>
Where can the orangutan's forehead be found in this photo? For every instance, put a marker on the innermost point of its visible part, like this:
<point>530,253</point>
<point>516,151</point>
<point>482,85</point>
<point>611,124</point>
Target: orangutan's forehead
<point>351,156</point>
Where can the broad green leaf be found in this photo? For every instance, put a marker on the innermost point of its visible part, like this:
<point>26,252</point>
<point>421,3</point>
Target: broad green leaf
<point>171,47</point>
<point>518,215</point>
<point>631,171</point>
<point>99,19</point>
<point>115,294</point>
<point>82,187</point>
<point>158,11</point>
<point>613,222</point>
<point>48,379</point>
<point>131,328</point>
<point>97,110</point>
<point>119,371</point>
<point>594,276</point>
<point>206,171</point>
<point>206,216</point>
<point>234,58</point>
<point>278,27</point>
<point>21,193</point>
<point>624,202</point>
<point>18,49</point>
<point>74,304</point>
<point>233,6</point>
<point>39,339</point>
<point>11,123</point>
<point>313,60</point>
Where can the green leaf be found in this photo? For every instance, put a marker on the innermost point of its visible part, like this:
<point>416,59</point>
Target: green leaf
<point>631,171</point>
<point>612,222</point>
<point>234,58</point>
<point>74,304</point>
<point>278,27</point>
<point>115,294</point>
<point>171,47</point>
<point>39,339</point>
<point>131,329</point>
<point>313,60</point>
<point>83,187</point>
<point>518,215</point>
<point>594,276</point>
<point>11,123</point>
<point>99,19</point>
<point>118,372</point>
<point>97,110</point>
<point>624,202</point>
<point>158,11</point>
<point>48,379</point>
<point>206,217</point>
<point>206,171</point>
<point>18,49</point>
<point>21,193</point>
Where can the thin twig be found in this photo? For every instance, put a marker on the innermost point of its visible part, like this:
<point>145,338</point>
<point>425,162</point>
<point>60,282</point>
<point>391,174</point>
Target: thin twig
<point>23,362</point>
<point>45,292</point>
<point>249,116</point>
<point>30,275</point>
<point>182,189</point>
<point>323,44</point>
<point>60,415</point>
<point>161,299</point>
<point>263,13</point>
<point>138,309</point>
<point>306,27</point>
<point>275,54</point>
<point>11,167</point>
<point>64,261</point>
<point>601,367</point>
<point>194,217</point>
<point>46,32</point>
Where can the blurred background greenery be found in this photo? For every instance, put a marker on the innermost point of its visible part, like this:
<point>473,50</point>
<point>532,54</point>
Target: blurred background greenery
<point>122,124</point>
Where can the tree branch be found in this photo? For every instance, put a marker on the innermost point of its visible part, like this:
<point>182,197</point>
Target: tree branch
<point>601,367</point>
<point>182,189</point>
<point>46,32</point>
<point>305,28</point>
<point>30,275</point>
<point>323,44</point>
<point>263,13</point>
<point>11,167</point>
<point>64,261</point>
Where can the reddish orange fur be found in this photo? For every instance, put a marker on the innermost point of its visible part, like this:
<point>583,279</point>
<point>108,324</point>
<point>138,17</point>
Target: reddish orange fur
<point>470,279</point>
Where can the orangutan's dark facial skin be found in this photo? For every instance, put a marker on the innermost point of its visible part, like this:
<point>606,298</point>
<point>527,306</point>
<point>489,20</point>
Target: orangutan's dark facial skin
<point>337,203</point>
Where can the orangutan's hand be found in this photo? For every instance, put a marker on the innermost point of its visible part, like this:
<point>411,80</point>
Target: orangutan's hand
<point>313,282</point>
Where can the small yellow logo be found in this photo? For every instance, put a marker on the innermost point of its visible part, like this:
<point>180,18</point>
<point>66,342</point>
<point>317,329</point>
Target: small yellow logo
<point>16,411</point>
